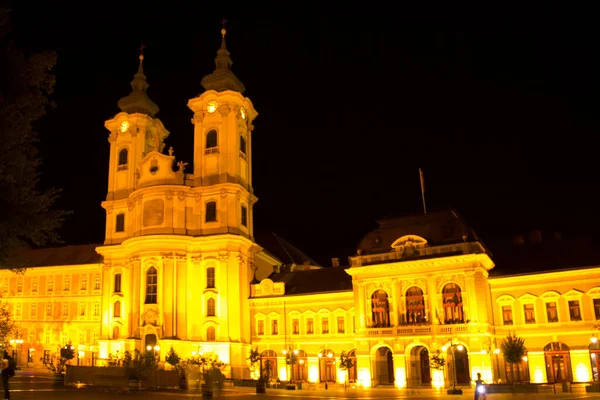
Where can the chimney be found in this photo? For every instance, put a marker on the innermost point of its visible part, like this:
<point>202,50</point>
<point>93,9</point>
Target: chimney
<point>335,262</point>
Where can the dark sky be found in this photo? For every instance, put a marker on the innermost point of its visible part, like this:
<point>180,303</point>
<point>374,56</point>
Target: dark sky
<point>498,106</point>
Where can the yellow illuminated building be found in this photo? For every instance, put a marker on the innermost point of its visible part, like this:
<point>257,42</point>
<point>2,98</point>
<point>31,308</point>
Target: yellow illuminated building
<point>179,267</point>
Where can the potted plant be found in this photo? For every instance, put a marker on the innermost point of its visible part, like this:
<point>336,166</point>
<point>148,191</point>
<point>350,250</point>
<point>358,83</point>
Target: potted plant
<point>180,366</point>
<point>210,371</point>
<point>138,366</point>
<point>58,362</point>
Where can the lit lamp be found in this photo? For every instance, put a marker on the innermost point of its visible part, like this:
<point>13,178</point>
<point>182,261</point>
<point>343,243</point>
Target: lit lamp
<point>453,349</point>
<point>291,357</point>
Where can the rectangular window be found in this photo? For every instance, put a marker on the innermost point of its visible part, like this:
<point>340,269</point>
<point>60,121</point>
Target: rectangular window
<point>96,309</point>
<point>325,325</point>
<point>19,285</point>
<point>97,283</point>
<point>117,283</point>
<point>210,277</point>
<point>95,339</point>
<point>48,309</point>
<point>574,310</point>
<point>341,326</point>
<point>261,327</point>
<point>597,308</point>
<point>83,284</point>
<point>34,284</point>
<point>50,285</point>
<point>81,309</point>
<point>211,212</point>
<point>295,327</point>
<point>33,310</point>
<point>244,216</point>
<point>65,309</point>
<point>551,312</point>
<point>67,283</point>
<point>48,337</point>
<point>120,223</point>
<point>274,327</point>
<point>81,337</point>
<point>309,326</point>
<point>507,315</point>
<point>18,310</point>
<point>529,313</point>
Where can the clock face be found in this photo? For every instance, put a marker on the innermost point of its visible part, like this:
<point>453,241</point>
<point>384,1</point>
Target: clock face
<point>243,112</point>
<point>124,126</point>
<point>211,106</point>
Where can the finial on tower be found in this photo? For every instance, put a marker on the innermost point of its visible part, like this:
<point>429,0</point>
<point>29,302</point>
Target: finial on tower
<point>138,101</point>
<point>223,22</point>
<point>222,78</point>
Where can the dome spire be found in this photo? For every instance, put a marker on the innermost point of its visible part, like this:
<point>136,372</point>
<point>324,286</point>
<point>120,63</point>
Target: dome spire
<point>222,78</point>
<point>138,101</point>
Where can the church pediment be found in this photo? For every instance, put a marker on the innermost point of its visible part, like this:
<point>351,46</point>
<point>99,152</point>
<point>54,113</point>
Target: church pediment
<point>156,169</point>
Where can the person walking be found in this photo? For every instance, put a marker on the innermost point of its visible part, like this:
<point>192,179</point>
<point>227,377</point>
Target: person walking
<point>479,383</point>
<point>7,373</point>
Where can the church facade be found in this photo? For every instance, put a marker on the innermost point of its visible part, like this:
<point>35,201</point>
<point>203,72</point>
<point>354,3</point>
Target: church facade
<point>179,268</point>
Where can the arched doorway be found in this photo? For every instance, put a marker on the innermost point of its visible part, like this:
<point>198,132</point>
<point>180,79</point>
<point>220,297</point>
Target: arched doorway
<point>327,370</point>
<point>352,375</point>
<point>268,364</point>
<point>452,301</point>
<point>150,340</point>
<point>384,366</point>
<point>558,362</point>
<point>595,360</point>
<point>419,373</point>
<point>380,309</point>
<point>458,364</point>
<point>300,372</point>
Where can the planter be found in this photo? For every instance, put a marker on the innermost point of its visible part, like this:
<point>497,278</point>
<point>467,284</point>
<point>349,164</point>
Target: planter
<point>261,387</point>
<point>183,382</point>
<point>207,391</point>
<point>59,379</point>
<point>455,391</point>
<point>589,389</point>
<point>134,384</point>
<point>290,386</point>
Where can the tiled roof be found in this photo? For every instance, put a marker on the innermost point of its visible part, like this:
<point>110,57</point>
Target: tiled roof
<point>66,255</point>
<point>331,279</point>
<point>283,250</point>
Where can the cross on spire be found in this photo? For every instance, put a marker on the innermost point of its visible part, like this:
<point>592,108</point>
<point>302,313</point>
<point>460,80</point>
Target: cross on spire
<point>223,22</point>
<point>142,47</point>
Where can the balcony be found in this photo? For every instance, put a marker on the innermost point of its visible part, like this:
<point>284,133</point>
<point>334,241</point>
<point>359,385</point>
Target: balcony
<point>423,330</point>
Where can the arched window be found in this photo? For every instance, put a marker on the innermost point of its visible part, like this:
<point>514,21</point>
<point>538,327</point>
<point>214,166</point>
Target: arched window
<point>122,158</point>
<point>115,332</point>
<point>210,277</point>
<point>327,367</point>
<point>211,211</point>
<point>120,223</point>
<point>453,306</point>
<point>210,308</point>
<point>415,306</point>
<point>210,334</point>
<point>268,364</point>
<point>380,309</point>
<point>242,145</point>
<point>211,139</point>
<point>117,309</point>
<point>151,285</point>
<point>117,283</point>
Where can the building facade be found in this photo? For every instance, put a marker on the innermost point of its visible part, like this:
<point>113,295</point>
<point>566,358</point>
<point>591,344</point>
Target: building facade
<point>179,268</point>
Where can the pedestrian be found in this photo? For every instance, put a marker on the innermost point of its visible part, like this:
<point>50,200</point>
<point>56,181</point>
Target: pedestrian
<point>479,383</point>
<point>7,373</point>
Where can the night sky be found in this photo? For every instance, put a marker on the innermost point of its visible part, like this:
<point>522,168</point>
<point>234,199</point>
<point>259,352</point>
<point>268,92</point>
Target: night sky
<point>499,107</point>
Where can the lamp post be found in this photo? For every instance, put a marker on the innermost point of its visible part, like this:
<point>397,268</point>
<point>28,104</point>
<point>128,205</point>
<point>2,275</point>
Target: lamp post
<point>328,354</point>
<point>453,348</point>
<point>291,357</point>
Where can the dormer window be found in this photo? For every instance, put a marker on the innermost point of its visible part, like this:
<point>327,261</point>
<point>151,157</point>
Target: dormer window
<point>120,223</point>
<point>211,212</point>
<point>211,142</point>
<point>122,164</point>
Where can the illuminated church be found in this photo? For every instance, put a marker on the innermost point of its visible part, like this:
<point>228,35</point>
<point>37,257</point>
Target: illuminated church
<point>179,268</point>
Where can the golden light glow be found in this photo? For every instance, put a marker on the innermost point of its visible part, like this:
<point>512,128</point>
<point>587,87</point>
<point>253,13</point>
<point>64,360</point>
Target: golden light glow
<point>243,112</point>
<point>313,374</point>
<point>582,373</point>
<point>212,106</point>
<point>124,126</point>
<point>400,376</point>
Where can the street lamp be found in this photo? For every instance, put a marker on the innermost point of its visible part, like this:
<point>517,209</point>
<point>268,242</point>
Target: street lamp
<point>328,354</point>
<point>291,357</point>
<point>453,349</point>
<point>16,345</point>
<point>154,349</point>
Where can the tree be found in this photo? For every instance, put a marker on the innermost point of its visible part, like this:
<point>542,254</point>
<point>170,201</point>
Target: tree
<point>26,215</point>
<point>513,348</point>
<point>7,325</point>
<point>437,361</point>
<point>139,365</point>
<point>254,359</point>
<point>346,363</point>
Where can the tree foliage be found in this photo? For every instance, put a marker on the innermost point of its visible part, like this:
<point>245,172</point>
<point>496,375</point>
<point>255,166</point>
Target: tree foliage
<point>139,365</point>
<point>437,360</point>
<point>513,348</point>
<point>346,362</point>
<point>7,325</point>
<point>26,215</point>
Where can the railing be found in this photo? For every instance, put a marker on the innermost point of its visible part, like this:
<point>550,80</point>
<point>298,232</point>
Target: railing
<point>421,330</point>
<point>211,150</point>
<point>390,256</point>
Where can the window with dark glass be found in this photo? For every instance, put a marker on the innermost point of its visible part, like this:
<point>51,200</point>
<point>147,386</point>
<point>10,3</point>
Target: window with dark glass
<point>551,311</point>
<point>120,224</point>
<point>295,327</point>
<point>210,308</point>
<point>244,216</point>
<point>529,311</point>
<point>211,139</point>
<point>117,309</point>
<point>211,211</point>
<point>274,327</point>
<point>118,283</point>
<point>260,330</point>
<point>242,145</point>
<point>507,315</point>
<point>574,310</point>
<point>340,325</point>
<point>309,326</point>
<point>210,277</point>
<point>151,286</point>
<point>123,157</point>
<point>325,325</point>
<point>597,308</point>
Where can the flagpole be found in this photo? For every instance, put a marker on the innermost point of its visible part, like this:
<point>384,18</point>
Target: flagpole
<point>423,190</point>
